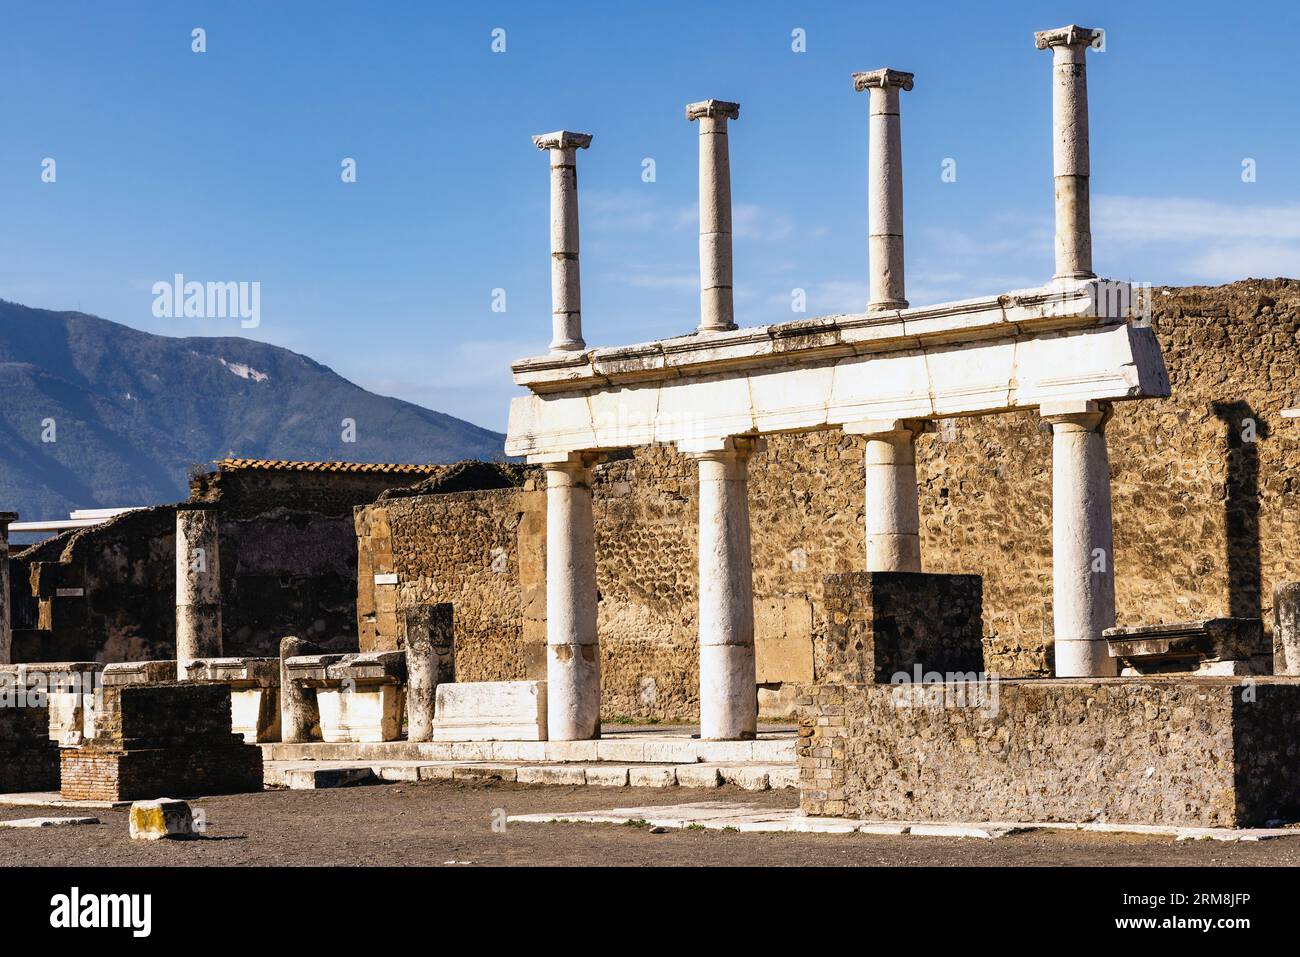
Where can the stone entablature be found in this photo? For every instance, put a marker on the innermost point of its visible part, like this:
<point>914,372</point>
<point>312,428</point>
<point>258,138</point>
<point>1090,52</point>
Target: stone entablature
<point>1070,341</point>
<point>1213,646</point>
<point>254,692</point>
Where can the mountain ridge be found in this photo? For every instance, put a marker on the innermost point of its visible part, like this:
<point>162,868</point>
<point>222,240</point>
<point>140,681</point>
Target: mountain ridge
<point>100,414</point>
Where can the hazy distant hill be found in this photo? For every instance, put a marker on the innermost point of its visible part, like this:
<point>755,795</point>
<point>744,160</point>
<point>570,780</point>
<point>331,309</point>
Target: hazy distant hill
<point>132,412</point>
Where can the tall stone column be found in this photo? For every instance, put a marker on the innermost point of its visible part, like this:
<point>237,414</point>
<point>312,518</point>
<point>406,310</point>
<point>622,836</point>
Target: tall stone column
<point>893,512</point>
<point>728,686</point>
<point>717,311</point>
<point>1070,147</point>
<point>572,644</point>
<point>6,612</point>
<point>885,187</point>
<point>198,586</point>
<point>1083,553</point>
<point>566,291</point>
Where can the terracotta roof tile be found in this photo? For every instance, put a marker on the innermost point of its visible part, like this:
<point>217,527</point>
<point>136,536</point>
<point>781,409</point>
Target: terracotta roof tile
<point>284,465</point>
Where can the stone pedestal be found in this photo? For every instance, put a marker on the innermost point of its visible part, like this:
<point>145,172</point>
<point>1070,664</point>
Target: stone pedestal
<point>883,624</point>
<point>572,645</point>
<point>491,711</point>
<point>165,740</point>
<point>360,698</point>
<point>1083,553</point>
<point>254,693</point>
<point>198,586</point>
<point>728,684</point>
<point>68,688</point>
<point>430,660</point>
<point>717,309</point>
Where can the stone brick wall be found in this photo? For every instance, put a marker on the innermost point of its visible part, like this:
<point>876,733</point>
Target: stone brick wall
<point>1203,523</point>
<point>1146,751</point>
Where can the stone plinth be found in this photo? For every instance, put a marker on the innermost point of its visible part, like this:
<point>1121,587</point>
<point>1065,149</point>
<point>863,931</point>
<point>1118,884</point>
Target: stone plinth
<point>156,740</point>
<point>491,711</point>
<point>360,697</point>
<point>29,760</point>
<point>254,692</point>
<point>1213,646</point>
<point>68,688</point>
<point>881,623</point>
<point>1202,752</point>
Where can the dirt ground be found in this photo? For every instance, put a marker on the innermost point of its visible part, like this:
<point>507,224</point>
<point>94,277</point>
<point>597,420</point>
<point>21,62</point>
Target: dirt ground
<point>438,823</point>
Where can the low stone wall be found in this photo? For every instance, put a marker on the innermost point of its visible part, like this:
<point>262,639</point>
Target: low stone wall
<point>1209,752</point>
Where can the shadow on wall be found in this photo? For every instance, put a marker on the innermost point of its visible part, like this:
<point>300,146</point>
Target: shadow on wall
<point>1241,506</point>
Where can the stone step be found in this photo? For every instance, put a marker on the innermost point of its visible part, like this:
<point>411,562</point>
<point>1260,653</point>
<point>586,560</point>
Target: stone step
<point>641,749</point>
<point>308,775</point>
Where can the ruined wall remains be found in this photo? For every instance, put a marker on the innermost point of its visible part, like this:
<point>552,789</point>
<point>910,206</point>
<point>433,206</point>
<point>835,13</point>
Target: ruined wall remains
<point>287,558</point>
<point>1204,486</point>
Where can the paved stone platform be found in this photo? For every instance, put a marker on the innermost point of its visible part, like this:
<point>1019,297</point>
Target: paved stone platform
<point>735,816</point>
<point>309,775</point>
<point>620,744</point>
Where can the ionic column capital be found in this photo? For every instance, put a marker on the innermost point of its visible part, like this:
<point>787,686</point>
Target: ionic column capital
<point>562,140</point>
<point>882,79</point>
<point>1072,37</point>
<point>1077,416</point>
<point>713,109</point>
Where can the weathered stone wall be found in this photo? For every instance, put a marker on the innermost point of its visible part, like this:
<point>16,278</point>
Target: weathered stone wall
<point>1203,523</point>
<point>1174,751</point>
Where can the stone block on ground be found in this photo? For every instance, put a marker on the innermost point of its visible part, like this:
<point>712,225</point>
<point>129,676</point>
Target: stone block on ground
<point>491,711</point>
<point>161,818</point>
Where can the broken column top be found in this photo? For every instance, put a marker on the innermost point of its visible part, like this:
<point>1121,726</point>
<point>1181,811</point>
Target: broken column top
<point>882,78</point>
<point>562,140</point>
<point>711,108</point>
<point>1071,35</point>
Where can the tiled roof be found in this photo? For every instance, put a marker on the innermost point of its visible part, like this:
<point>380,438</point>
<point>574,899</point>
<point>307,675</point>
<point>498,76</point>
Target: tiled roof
<point>283,465</point>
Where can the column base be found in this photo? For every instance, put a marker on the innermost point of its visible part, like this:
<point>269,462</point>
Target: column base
<point>1084,658</point>
<point>728,693</point>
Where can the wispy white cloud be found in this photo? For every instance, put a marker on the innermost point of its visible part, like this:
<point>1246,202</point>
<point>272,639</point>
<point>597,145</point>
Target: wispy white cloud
<point>1197,240</point>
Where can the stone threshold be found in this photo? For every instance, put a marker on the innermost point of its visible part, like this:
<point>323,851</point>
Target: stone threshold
<point>630,748</point>
<point>311,775</point>
<point>748,818</point>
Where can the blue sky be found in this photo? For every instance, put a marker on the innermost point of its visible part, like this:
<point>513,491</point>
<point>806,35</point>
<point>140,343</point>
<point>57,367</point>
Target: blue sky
<point>225,165</point>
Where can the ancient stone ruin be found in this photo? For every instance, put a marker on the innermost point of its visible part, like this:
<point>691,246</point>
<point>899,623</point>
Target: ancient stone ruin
<point>895,527</point>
